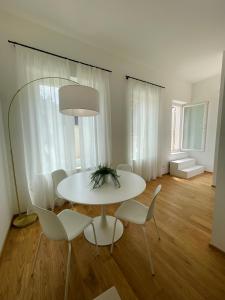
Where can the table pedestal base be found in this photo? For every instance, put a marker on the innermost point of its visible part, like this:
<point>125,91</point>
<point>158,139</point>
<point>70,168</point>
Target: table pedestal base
<point>104,230</point>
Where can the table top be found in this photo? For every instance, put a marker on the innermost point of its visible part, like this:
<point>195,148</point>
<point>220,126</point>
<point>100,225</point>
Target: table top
<point>77,188</point>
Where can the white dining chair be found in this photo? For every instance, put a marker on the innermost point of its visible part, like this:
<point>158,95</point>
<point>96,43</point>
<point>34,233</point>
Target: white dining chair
<point>138,213</point>
<point>65,226</point>
<point>57,177</point>
<point>110,294</point>
<point>124,167</point>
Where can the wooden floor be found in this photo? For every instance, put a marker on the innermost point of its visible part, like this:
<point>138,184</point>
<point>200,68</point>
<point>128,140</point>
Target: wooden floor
<point>186,267</point>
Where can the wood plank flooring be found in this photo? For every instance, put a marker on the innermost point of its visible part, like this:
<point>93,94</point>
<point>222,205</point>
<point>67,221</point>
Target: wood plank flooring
<point>186,267</point>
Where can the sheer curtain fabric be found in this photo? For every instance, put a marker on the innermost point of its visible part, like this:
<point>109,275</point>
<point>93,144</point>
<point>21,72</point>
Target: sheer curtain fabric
<point>143,129</point>
<point>95,132</point>
<point>43,138</point>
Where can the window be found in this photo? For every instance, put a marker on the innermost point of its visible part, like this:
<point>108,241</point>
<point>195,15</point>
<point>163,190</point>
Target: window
<point>188,126</point>
<point>176,126</point>
<point>194,126</point>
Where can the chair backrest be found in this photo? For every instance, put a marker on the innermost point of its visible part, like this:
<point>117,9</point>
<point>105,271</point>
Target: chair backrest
<point>124,167</point>
<point>50,223</point>
<point>152,205</point>
<point>57,177</point>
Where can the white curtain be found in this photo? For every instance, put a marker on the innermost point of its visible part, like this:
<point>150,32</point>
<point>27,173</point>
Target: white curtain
<point>143,110</point>
<point>95,132</point>
<point>43,139</point>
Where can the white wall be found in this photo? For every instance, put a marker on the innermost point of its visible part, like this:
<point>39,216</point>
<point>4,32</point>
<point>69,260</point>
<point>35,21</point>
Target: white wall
<point>5,195</point>
<point>218,234</point>
<point>14,28</point>
<point>208,90</point>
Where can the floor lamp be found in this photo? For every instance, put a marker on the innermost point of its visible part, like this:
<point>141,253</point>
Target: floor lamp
<point>78,100</point>
<point>74,100</point>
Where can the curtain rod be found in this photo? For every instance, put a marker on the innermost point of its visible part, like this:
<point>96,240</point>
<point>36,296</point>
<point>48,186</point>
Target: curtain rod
<point>53,54</point>
<point>127,77</point>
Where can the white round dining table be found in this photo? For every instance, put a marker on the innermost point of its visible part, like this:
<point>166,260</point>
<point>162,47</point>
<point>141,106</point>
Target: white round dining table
<point>78,189</point>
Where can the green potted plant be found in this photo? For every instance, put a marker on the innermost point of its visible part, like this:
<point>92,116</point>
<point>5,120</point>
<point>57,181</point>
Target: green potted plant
<point>104,174</point>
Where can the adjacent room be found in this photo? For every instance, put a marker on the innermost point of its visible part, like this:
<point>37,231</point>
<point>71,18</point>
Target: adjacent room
<point>112,150</point>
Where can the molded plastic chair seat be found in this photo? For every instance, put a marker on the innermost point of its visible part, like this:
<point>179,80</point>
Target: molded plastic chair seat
<point>57,177</point>
<point>132,211</point>
<point>65,226</point>
<point>124,167</point>
<point>110,294</point>
<point>137,213</point>
<point>73,222</point>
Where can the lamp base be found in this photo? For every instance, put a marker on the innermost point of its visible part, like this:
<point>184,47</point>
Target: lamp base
<point>24,220</point>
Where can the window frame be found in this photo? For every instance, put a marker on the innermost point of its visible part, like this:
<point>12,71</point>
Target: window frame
<point>180,105</point>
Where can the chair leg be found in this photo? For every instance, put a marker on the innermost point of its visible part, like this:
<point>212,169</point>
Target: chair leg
<point>67,271</point>
<point>156,228</point>
<point>114,231</point>
<point>149,251</point>
<point>96,242</point>
<point>36,254</point>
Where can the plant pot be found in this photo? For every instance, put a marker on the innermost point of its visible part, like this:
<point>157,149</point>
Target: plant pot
<point>106,175</point>
<point>108,178</point>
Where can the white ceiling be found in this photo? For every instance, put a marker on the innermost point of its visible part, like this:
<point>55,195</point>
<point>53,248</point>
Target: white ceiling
<point>186,37</point>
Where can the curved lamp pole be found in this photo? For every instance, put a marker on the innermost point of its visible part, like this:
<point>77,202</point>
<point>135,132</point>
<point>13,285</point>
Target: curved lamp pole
<point>23,219</point>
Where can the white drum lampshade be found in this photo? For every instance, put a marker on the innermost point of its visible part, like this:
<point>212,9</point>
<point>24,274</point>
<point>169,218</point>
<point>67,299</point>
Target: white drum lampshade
<point>78,100</point>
